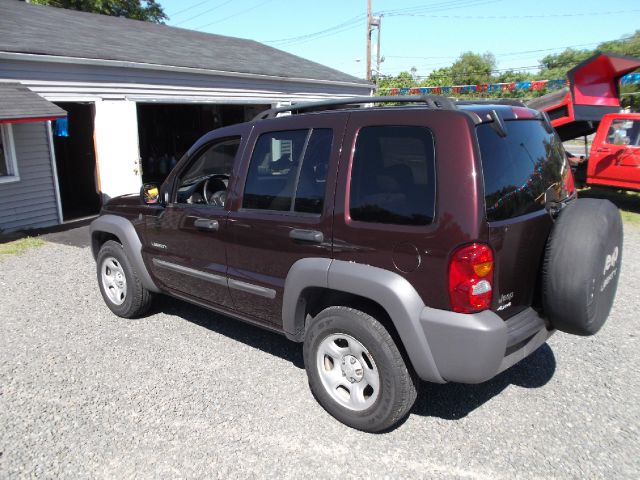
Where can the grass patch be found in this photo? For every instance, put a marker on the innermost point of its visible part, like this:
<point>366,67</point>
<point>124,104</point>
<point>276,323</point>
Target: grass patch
<point>628,202</point>
<point>17,247</point>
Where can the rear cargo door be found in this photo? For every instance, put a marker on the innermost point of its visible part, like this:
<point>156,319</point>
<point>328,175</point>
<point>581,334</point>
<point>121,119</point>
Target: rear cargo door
<point>521,170</point>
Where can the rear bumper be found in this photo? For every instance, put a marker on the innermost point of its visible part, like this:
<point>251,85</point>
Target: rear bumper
<point>472,348</point>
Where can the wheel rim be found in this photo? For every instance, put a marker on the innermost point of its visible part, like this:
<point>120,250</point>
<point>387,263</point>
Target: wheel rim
<point>114,281</point>
<point>348,372</point>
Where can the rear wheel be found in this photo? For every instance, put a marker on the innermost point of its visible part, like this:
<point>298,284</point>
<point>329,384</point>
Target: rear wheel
<point>120,287</point>
<point>356,371</point>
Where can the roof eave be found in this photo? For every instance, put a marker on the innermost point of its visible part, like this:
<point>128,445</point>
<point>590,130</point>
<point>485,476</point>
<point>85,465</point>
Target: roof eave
<point>4,55</point>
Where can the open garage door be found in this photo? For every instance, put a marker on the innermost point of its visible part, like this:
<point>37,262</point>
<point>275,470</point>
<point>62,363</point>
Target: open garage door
<point>166,131</point>
<point>76,161</point>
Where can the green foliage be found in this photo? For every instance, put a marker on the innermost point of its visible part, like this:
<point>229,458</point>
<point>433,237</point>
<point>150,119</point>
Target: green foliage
<point>403,79</point>
<point>438,78</point>
<point>475,68</point>
<point>514,76</point>
<point>146,10</point>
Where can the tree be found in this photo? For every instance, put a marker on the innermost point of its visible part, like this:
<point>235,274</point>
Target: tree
<point>438,78</point>
<point>473,68</point>
<point>403,79</point>
<point>146,10</point>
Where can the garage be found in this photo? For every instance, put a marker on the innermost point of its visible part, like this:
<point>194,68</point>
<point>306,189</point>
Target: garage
<point>166,131</point>
<point>138,95</point>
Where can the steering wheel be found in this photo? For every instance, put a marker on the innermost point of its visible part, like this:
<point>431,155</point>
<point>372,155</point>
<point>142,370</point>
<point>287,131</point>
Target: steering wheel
<point>215,192</point>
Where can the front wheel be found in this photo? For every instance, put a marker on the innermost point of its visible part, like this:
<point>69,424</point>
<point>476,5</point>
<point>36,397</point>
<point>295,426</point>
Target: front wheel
<point>356,371</point>
<point>120,287</point>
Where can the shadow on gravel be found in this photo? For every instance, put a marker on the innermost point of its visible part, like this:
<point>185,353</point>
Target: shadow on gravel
<point>452,401</point>
<point>253,336</point>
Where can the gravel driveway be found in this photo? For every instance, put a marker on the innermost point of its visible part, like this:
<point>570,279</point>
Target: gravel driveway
<point>185,393</point>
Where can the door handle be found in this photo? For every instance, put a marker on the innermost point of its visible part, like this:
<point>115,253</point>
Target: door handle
<point>311,236</point>
<point>602,150</point>
<point>206,224</point>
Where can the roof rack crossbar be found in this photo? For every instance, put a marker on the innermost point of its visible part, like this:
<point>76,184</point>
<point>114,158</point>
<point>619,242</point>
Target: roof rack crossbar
<point>432,101</point>
<point>493,101</point>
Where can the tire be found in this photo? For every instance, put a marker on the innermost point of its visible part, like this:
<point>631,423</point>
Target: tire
<point>336,337</point>
<point>119,285</point>
<point>582,266</point>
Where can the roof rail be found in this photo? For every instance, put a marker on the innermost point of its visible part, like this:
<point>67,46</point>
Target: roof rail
<point>432,101</point>
<point>493,101</point>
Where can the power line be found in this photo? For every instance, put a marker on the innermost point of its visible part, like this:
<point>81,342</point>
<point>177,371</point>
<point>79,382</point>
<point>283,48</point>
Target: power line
<point>290,40</point>
<point>507,54</point>
<point>189,8</point>
<point>355,22</point>
<point>203,12</point>
<point>511,17</point>
<point>435,7</point>
<point>233,15</point>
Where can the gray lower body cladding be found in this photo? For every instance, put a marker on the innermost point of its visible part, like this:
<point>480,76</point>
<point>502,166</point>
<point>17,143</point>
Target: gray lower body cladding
<point>473,348</point>
<point>443,346</point>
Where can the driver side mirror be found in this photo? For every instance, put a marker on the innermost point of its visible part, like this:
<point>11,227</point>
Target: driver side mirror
<point>150,194</point>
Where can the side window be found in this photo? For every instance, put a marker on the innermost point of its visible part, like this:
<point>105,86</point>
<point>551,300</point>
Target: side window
<point>393,176</point>
<point>288,171</point>
<point>208,173</point>
<point>8,166</point>
<point>624,132</point>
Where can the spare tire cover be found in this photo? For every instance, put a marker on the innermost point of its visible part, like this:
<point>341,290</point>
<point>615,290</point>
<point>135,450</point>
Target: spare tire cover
<point>582,266</point>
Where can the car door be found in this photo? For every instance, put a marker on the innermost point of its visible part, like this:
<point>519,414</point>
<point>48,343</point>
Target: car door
<point>283,211</point>
<point>615,158</point>
<point>185,247</point>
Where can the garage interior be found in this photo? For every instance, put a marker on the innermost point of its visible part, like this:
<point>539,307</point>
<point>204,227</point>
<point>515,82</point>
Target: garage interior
<point>166,131</point>
<point>76,161</point>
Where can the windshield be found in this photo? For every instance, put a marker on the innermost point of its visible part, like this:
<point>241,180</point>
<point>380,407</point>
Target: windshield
<point>519,168</point>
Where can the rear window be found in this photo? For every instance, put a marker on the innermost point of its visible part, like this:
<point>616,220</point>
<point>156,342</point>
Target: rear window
<point>519,168</point>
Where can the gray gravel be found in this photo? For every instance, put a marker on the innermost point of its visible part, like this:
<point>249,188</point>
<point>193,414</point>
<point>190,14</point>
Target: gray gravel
<point>185,393</point>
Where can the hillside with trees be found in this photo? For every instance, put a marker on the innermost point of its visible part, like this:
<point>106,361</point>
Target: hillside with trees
<point>473,68</point>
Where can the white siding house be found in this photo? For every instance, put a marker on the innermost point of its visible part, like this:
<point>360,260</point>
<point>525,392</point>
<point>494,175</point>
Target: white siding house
<point>137,95</point>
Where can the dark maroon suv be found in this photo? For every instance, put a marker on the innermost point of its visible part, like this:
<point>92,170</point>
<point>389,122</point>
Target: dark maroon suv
<point>429,240</point>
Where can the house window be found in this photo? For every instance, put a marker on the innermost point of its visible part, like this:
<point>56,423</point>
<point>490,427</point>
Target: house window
<point>8,166</point>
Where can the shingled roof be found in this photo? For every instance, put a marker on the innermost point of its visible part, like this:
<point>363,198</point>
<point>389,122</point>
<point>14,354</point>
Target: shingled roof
<point>35,29</point>
<point>18,103</point>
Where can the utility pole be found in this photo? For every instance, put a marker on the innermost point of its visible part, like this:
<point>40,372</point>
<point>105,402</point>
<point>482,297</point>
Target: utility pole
<point>377,21</point>
<point>369,40</point>
<point>373,22</point>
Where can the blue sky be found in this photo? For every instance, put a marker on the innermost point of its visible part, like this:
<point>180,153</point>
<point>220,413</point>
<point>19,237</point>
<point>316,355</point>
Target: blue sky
<point>415,33</point>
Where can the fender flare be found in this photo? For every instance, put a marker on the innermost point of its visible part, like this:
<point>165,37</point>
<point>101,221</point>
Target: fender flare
<point>125,231</point>
<point>390,290</point>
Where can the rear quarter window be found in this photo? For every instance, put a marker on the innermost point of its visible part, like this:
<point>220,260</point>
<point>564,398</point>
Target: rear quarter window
<point>393,176</point>
<point>518,169</point>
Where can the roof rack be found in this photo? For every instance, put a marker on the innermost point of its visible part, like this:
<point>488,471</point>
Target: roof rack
<point>431,101</point>
<point>492,101</point>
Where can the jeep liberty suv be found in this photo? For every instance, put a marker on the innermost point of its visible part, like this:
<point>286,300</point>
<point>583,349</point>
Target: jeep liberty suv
<point>426,240</point>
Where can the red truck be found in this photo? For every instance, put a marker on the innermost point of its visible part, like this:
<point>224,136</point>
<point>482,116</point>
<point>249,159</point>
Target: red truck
<point>590,104</point>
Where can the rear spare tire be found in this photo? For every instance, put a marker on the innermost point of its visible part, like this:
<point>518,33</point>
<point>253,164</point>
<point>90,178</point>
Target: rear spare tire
<point>582,266</point>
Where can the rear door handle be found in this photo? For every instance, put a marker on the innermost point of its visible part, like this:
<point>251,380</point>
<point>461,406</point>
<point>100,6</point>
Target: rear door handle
<point>602,150</point>
<point>206,224</point>
<point>311,236</point>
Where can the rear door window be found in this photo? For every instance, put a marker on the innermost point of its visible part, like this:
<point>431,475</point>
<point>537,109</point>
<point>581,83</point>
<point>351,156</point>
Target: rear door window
<point>518,169</point>
<point>288,171</point>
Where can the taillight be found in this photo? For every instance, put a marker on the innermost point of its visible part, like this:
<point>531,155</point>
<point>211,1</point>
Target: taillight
<point>471,278</point>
